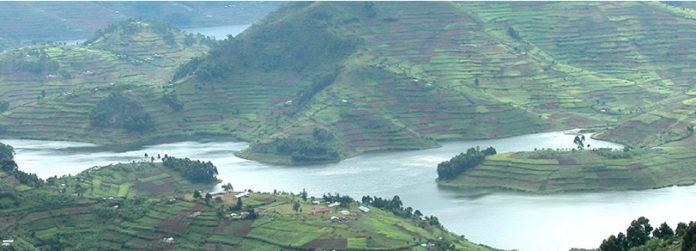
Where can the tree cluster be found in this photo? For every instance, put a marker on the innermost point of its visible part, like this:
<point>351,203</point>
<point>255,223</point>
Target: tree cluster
<point>120,111</point>
<point>462,162</point>
<point>305,151</point>
<point>345,200</point>
<point>395,206</point>
<point>637,237</point>
<point>194,170</point>
<point>171,99</point>
<point>8,165</point>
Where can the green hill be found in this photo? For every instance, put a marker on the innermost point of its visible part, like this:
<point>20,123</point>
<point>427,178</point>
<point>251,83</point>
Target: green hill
<point>386,76</point>
<point>51,91</point>
<point>28,23</point>
<point>319,82</point>
<point>150,206</point>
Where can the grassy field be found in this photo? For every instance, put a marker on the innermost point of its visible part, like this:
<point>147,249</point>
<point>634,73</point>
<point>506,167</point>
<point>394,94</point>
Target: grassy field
<point>142,205</point>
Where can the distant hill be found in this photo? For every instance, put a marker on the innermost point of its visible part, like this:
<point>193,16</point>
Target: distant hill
<point>24,22</point>
<point>54,91</point>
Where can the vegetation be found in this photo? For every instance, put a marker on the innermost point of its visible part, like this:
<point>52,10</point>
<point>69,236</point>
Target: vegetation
<point>117,77</point>
<point>156,211</point>
<point>552,171</point>
<point>120,111</point>
<point>387,76</point>
<point>638,237</point>
<point>462,162</point>
<point>46,22</point>
<point>194,170</point>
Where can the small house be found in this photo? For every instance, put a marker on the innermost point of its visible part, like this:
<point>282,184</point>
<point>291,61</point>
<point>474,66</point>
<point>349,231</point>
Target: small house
<point>244,194</point>
<point>323,210</point>
<point>7,242</point>
<point>335,204</point>
<point>364,209</point>
<point>345,212</point>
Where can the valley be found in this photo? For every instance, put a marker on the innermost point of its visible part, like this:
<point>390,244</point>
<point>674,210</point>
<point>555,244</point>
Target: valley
<point>351,98</point>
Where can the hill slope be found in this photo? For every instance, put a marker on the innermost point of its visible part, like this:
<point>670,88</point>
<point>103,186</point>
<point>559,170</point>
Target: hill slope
<point>379,76</point>
<point>37,22</point>
<point>50,91</point>
<point>318,82</point>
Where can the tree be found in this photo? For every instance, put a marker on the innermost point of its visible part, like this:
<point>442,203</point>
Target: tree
<point>296,206</point>
<point>304,194</point>
<point>196,195</point>
<point>396,202</point>
<point>681,229</point>
<point>689,240</point>
<point>239,204</point>
<point>6,152</point>
<point>513,33</point>
<point>408,211</point>
<point>227,187</point>
<point>218,200</point>
<point>208,196</point>
<point>639,232</point>
<point>663,232</point>
<point>417,213</point>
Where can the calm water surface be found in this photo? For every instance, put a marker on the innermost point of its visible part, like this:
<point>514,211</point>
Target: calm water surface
<point>502,220</point>
<point>219,32</point>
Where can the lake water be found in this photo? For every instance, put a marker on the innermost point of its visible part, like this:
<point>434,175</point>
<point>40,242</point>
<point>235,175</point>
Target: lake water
<point>219,32</point>
<point>501,219</point>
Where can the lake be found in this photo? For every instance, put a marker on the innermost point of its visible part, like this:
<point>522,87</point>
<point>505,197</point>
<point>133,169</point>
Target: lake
<point>218,32</point>
<point>500,219</point>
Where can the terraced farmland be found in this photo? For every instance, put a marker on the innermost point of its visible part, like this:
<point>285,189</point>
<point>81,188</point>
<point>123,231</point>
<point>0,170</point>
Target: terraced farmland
<point>383,76</point>
<point>147,206</point>
<point>552,171</point>
<point>132,58</point>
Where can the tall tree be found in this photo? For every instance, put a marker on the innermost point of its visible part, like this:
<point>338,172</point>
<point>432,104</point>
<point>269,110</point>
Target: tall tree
<point>639,232</point>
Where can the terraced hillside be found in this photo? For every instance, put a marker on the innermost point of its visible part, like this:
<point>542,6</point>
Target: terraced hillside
<point>403,75</point>
<point>149,206</point>
<point>318,82</point>
<point>37,22</point>
<point>553,171</point>
<point>51,90</point>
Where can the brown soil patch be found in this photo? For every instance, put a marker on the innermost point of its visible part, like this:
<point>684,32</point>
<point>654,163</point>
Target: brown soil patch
<point>152,188</point>
<point>565,161</point>
<point>174,223</point>
<point>243,229</point>
<point>327,244</point>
